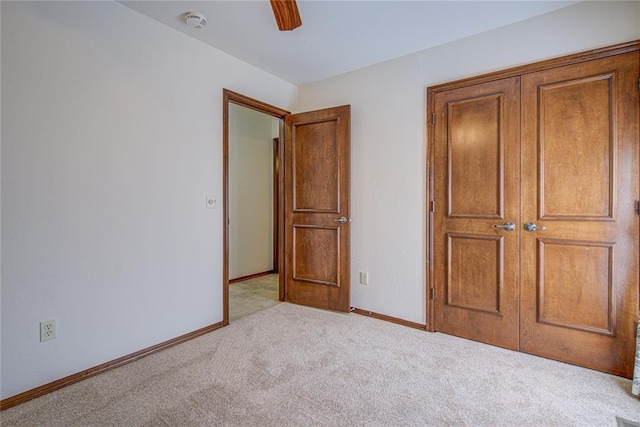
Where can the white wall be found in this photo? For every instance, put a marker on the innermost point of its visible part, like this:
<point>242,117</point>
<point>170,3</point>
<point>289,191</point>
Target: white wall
<point>389,137</point>
<point>250,191</point>
<point>111,138</point>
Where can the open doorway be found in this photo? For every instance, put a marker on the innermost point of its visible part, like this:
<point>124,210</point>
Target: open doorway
<point>252,200</point>
<point>253,211</point>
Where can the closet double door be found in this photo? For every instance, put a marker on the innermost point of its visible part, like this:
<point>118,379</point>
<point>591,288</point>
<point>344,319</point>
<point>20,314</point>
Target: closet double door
<point>535,221</point>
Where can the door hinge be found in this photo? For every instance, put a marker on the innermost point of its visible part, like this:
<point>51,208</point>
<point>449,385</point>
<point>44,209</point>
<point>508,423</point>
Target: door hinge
<point>638,207</point>
<point>433,293</point>
<point>638,84</point>
<point>433,118</point>
<point>432,207</point>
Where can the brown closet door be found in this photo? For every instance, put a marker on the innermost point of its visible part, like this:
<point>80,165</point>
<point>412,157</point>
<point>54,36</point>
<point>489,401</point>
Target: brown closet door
<point>579,276</point>
<point>476,185</point>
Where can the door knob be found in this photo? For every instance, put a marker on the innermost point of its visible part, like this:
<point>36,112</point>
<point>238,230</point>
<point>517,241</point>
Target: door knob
<point>531,227</point>
<point>508,226</point>
<point>342,220</point>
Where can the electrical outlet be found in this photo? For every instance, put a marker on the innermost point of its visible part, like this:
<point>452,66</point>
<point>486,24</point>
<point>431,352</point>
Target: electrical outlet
<point>47,330</point>
<point>364,278</point>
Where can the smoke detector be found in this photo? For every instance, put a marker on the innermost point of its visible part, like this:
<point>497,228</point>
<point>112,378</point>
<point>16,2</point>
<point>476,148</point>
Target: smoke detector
<point>195,19</point>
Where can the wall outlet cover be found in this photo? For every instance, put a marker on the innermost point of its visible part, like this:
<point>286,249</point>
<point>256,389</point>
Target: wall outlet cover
<point>364,278</point>
<point>47,330</point>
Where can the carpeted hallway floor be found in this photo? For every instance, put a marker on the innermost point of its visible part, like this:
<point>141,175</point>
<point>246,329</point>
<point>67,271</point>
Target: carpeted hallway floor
<point>294,366</point>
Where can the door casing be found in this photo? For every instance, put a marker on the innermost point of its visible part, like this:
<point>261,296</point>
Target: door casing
<point>632,46</point>
<point>230,97</point>
<point>286,118</point>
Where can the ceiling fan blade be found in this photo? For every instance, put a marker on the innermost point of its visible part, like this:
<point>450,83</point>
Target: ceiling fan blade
<point>286,13</point>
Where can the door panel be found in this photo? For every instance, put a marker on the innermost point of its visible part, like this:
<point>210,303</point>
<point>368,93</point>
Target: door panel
<point>474,161</point>
<point>586,302</point>
<point>308,240</point>
<point>579,277</point>
<point>317,180</point>
<point>476,286</point>
<point>577,148</point>
<point>316,168</point>
<point>475,264</point>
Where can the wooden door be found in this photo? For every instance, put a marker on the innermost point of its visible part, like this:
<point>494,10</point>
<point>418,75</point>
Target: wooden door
<point>317,182</point>
<point>579,276</point>
<point>476,169</point>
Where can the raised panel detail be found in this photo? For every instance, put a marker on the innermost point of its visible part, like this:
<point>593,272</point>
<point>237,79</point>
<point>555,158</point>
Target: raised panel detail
<point>575,285</point>
<point>316,170</point>
<point>475,157</point>
<point>308,242</point>
<point>475,270</point>
<point>576,151</point>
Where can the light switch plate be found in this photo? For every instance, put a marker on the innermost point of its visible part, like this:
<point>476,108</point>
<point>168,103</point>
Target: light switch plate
<point>212,202</point>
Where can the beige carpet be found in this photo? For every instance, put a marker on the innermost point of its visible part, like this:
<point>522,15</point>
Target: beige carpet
<point>252,295</point>
<point>294,366</point>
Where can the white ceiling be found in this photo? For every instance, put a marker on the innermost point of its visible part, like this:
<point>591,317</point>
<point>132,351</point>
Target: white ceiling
<point>338,36</point>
